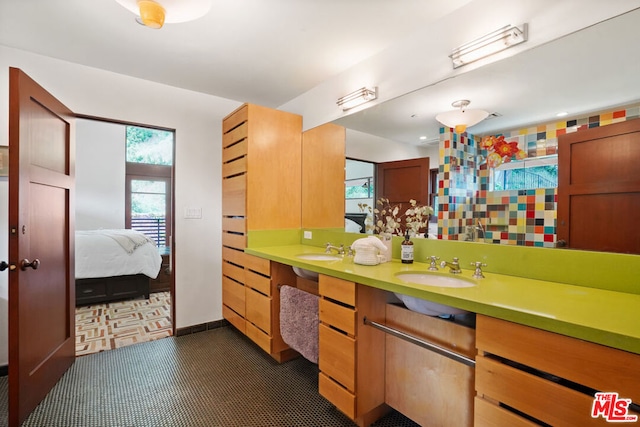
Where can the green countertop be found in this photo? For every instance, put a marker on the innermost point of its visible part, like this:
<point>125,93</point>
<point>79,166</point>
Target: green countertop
<point>601,316</point>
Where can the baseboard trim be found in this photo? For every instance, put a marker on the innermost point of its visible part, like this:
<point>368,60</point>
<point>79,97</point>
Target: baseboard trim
<point>201,327</point>
<point>4,370</point>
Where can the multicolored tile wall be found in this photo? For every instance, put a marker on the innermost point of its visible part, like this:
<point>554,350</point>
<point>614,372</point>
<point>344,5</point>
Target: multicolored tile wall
<point>524,217</point>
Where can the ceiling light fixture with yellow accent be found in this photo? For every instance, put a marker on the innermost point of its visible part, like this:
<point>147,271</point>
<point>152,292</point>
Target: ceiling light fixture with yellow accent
<point>155,13</point>
<point>462,118</point>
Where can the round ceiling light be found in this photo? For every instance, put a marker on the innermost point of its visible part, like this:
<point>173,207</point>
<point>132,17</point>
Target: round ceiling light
<point>462,118</point>
<point>156,13</point>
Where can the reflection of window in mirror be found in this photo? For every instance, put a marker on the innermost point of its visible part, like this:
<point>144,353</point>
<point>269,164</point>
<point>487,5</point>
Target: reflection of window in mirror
<point>359,195</point>
<point>536,172</point>
<point>433,194</point>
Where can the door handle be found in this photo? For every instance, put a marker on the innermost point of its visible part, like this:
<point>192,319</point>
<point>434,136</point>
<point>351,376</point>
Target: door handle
<point>4,266</point>
<point>24,264</point>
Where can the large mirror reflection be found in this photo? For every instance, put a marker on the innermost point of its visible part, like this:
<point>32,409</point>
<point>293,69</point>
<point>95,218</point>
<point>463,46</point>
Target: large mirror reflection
<point>584,80</point>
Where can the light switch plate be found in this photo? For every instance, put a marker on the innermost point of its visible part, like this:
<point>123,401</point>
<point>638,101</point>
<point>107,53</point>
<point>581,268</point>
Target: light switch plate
<point>192,213</point>
<point>307,234</point>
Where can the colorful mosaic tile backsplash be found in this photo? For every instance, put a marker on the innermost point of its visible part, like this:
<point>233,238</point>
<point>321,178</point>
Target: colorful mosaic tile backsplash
<point>466,207</point>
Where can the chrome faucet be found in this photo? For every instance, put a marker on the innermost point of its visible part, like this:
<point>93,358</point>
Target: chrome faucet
<point>339,249</point>
<point>454,266</point>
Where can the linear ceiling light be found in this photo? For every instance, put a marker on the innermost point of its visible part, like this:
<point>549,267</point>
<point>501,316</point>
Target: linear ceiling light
<point>494,42</point>
<point>462,118</point>
<point>155,13</point>
<point>357,98</point>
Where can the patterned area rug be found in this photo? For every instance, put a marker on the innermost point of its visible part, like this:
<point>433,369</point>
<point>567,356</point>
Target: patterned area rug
<point>102,327</point>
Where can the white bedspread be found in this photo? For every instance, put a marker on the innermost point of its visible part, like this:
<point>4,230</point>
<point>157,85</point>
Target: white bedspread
<point>102,253</point>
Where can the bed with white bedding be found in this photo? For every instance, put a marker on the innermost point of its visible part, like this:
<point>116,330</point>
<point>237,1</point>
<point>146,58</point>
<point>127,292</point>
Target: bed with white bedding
<point>114,265</point>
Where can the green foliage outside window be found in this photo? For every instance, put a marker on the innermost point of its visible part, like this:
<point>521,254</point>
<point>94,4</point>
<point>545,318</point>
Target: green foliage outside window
<point>149,146</point>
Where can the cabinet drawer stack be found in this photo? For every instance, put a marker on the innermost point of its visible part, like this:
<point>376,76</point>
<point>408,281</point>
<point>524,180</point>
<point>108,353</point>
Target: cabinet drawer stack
<point>351,355</point>
<point>525,376</point>
<point>260,191</point>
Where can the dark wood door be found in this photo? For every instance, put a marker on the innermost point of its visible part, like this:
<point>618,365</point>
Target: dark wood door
<point>41,244</point>
<point>599,188</point>
<point>403,180</point>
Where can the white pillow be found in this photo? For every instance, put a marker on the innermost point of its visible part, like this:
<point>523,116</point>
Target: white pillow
<point>351,226</point>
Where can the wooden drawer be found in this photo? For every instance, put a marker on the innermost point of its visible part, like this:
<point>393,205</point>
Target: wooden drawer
<point>337,395</point>
<point>233,295</point>
<point>258,282</point>
<point>544,400</point>
<point>234,256</point>
<point>340,317</point>
<point>235,167</point>
<point>338,289</point>
<point>233,271</point>
<point>234,196</point>
<point>489,415</point>
<point>258,310</point>
<point>237,241</point>
<point>234,318</point>
<point>337,356</point>
<point>595,366</point>
<point>234,152</point>
<point>257,264</point>
<point>234,119</point>
<point>259,337</point>
<point>90,290</point>
<point>236,225</point>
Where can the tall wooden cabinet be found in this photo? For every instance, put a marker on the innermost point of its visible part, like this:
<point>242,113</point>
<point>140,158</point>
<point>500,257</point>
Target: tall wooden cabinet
<point>261,190</point>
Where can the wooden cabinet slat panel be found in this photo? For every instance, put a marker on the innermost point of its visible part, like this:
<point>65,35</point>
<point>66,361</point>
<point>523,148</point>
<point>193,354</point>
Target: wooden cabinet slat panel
<point>235,167</point>
<point>258,310</point>
<point>337,356</point>
<point>259,337</point>
<point>535,396</point>
<point>235,118</point>
<point>600,366</point>
<point>233,295</point>
<point>343,318</point>
<point>233,256</point>
<point>235,151</point>
<point>489,415</point>
<point>255,281</point>
<point>232,138</point>
<point>341,398</point>
<point>234,318</point>
<point>238,241</point>
<point>235,224</point>
<point>233,271</point>
<point>234,196</point>
<point>259,265</point>
<point>338,289</point>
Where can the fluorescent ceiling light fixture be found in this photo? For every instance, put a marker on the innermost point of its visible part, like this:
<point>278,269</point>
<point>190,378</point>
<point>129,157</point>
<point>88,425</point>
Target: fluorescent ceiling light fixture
<point>462,118</point>
<point>357,98</point>
<point>494,42</point>
<point>562,114</point>
<point>155,13</point>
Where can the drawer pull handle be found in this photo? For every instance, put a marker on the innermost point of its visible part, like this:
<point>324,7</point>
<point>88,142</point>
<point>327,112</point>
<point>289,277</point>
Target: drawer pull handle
<point>422,343</point>
<point>87,291</point>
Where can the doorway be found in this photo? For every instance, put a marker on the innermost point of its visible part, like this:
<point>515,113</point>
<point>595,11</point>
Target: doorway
<point>124,177</point>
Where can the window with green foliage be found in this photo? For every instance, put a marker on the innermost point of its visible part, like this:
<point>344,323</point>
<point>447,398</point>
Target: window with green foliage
<point>361,188</point>
<point>149,146</point>
<point>536,172</point>
<point>149,155</point>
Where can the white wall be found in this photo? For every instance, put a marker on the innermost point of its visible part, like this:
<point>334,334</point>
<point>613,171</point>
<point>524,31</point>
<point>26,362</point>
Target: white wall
<point>197,119</point>
<point>100,174</point>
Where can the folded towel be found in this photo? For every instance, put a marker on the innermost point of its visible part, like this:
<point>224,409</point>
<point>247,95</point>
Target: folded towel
<point>299,321</point>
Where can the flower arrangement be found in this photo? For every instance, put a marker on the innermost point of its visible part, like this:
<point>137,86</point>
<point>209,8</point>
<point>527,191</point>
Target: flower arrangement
<point>500,151</point>
<point>389,219</point>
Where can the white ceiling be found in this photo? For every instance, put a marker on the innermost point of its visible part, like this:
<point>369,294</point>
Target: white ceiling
<point>259,51</point>
<point>271,52</point>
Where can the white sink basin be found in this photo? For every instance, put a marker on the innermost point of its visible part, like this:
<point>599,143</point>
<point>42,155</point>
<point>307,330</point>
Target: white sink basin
<point>427,307</point>
<point>430,279</point>
<point>318,257</point>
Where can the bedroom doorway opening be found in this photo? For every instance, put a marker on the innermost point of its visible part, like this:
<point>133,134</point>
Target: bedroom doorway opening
<point>124,186</point>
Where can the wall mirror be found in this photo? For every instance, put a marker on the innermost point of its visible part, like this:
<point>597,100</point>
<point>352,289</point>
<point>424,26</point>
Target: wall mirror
<point>583,74</point>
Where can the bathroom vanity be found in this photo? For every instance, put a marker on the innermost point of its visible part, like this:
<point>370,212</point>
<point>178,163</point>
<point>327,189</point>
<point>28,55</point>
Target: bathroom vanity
<point>529,364</point>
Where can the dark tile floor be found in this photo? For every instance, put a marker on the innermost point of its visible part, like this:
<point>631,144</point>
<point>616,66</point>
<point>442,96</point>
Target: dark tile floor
<point>212,378</point>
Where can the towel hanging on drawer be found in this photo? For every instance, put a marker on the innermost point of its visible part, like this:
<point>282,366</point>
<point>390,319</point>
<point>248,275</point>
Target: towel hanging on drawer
<point>299,321</point>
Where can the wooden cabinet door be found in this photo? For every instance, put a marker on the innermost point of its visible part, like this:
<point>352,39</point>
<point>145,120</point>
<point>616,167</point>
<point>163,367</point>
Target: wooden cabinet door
<point>599,188</point>
<point>403,180</point>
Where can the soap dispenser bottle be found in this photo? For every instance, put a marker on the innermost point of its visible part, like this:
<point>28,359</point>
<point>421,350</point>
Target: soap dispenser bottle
<point>406,250</point>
